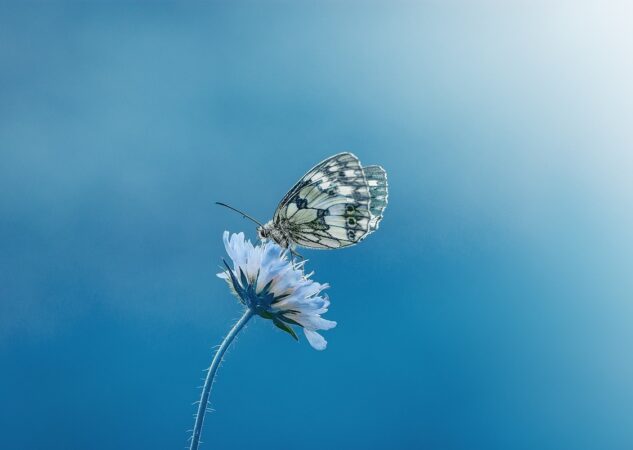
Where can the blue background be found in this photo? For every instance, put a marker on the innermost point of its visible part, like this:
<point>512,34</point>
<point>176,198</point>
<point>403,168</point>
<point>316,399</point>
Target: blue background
<point>492,310</point>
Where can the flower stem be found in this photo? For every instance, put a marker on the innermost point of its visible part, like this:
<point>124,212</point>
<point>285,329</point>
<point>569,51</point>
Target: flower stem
<point>206,390</point>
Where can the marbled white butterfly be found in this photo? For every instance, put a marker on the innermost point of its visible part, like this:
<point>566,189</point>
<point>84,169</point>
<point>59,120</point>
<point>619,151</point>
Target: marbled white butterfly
<point>336,204</point>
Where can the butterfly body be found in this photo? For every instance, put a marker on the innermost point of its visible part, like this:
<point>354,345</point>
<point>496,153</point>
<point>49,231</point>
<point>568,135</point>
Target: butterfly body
<point>336,204</point>
<point>275,232</point>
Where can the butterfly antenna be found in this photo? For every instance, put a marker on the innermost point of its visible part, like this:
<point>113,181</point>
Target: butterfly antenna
<point>246,216</point>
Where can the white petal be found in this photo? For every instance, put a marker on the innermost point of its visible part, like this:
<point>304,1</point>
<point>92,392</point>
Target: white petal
<point>236,249</point>
<point>315,339</point>
<point>312,321</point>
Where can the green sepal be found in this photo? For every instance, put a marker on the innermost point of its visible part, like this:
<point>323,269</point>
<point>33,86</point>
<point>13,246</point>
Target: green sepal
<point>243,279</point>
<point>279,298</point>
<point>264,292</point>
<point>241,293</point>
<point>290,321</point>
<point>282,326</point>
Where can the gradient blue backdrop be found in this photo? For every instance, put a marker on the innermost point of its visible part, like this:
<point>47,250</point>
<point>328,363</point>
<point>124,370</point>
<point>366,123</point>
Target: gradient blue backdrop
<point>492,310</point>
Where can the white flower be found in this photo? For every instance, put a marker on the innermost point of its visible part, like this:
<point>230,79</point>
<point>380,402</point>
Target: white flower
<point>276,288</point>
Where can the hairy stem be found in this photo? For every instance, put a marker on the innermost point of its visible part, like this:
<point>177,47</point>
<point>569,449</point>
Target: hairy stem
<point>206,390</point>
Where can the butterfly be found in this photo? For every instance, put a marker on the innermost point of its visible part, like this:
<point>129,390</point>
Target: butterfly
<point>338,203</point>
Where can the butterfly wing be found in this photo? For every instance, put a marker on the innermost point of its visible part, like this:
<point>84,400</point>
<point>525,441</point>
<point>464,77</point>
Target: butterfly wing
<point>377,182</point>
<point>331,205</point>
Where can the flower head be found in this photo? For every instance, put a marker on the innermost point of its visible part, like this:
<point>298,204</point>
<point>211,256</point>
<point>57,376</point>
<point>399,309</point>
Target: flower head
<point>276,288</point>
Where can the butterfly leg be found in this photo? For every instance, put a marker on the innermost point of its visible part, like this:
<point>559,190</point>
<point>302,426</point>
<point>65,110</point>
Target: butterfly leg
<point>293,254</point>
